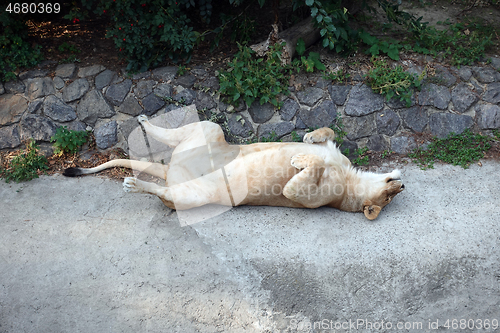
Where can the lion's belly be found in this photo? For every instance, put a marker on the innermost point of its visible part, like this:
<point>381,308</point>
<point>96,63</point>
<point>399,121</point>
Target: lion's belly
<point>263,171</point>
<point>256,175</point>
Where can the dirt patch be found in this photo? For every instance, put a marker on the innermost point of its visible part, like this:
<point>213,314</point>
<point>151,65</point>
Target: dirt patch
<point>90,157</point>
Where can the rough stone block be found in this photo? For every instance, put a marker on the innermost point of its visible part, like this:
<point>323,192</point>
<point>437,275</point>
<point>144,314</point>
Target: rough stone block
<point>463,97</point>
<point>14,87</point>
<point>144,88</point>
<point>434,95</point>
<point>40,87</point>
<point>165,73</point>
<point>56,109</point>
<point>310,96</point>
<point>164,90</point>
<point>289,109</point>
<point>280,129</point>
<point>377,142</point>
<point>106,136</point>
<point>323,115</point>
<point>90,70</point>
<point>387,122</point>
<point>94,106</point>
<point>37,127</point>
<point>204,101</point>
<point>488,117</point>
<point>359,127</point>
<point>65,71</point>
<point>12,108</point>
<point>131,106</point>
<point>187,81</point>
<point>186,96</point>
<point>75,90</point>
<point>485,74</point>
<point>363,101</point>
<point>339,93</point>
<point>152,104</point>
<point>117,92</point>
<point>240,126</point>
<point>442,124</point>
<point>415,118</point>
<point>492,93</point>
<point>403,144</point>
<point>9,137</point>
<point>261,113</point>
<point>104,79</point>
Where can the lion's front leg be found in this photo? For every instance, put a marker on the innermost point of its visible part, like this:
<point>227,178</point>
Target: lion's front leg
<point>304,187</point>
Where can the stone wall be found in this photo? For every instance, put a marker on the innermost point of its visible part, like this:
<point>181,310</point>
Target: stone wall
<point>106,102</point>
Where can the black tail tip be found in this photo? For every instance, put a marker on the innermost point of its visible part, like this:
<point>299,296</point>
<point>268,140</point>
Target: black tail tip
<point>72,172</point>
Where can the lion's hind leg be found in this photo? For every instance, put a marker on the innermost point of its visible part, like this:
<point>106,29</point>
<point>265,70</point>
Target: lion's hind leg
<point>189,136</point>
<point>190,194</point>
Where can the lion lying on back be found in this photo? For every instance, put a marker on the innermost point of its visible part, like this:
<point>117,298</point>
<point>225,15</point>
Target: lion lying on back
<point>205,169</point>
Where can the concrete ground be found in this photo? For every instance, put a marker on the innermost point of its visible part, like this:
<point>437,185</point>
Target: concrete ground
<point>80,255</point>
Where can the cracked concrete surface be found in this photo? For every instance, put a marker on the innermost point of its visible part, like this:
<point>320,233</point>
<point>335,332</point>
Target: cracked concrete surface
<point>79,255</point>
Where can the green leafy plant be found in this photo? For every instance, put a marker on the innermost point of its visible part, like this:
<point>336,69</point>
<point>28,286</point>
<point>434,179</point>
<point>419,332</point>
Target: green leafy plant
<point>457,149</point>
<point>311,62</point>
<point>272,137</point>
<point>146,32</point>
<point>339,76</point>
<point>391,48</point>
<point>393,82</point>
<point>333,22</point>
<point>242,29</point>
<point>462,44</point>
<point>361,156</point>
<point>68,141</point>
<point>295,137</point>
<point>386,153</point>
<point>26,165</point>
<point>15,51</point>
<point>170,100</point>
<point>65,47</point>
<point>250,78</point>
<point>71,59</point>
<point>182,70</point>
<point>338,128</point>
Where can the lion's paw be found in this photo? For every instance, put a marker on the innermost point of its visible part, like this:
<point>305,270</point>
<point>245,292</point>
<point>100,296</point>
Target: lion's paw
<point>299,161</point>
<point>319,135</point>
<point>308,138</point>
<point>142,118</point>
<point>130,185</point>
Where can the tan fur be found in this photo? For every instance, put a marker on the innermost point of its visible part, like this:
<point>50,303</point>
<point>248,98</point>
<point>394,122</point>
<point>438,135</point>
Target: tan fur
<point>205,169</point>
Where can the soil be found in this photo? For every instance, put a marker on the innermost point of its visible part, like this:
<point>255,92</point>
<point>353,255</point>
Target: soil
<point>88,37</point>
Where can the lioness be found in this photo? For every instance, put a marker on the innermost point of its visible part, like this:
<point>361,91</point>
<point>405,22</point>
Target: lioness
<point>205,169</point>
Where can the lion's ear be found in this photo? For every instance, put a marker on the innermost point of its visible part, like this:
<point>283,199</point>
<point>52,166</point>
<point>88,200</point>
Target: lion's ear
<point>371,211</point>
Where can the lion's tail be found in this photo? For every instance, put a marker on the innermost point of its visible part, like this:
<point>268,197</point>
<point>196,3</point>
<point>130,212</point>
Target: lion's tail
<point>155,169</point>
<point>73,172</point>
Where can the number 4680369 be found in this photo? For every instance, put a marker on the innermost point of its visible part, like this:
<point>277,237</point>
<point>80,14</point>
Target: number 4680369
<point>33,8</point>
